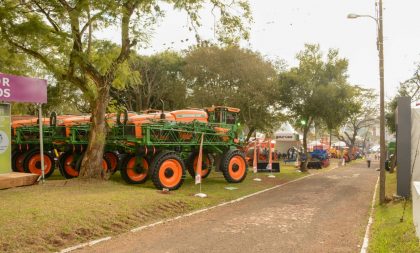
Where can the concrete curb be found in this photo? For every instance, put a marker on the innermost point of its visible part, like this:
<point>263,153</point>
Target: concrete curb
<point>370,221</point>
<point>82,245</point>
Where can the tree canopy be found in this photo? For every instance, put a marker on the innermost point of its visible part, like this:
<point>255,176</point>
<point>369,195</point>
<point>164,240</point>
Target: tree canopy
<point>362,116</point>
<point>235,77</point>
<point>60,34</point>
<point>409,88</point>
<point>315,90</point>
<point>160,77</point>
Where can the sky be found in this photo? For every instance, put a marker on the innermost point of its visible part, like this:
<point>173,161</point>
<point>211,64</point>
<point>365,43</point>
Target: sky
<point>281,28</point>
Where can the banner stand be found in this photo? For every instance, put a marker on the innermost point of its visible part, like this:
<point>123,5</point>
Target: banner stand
<point>41,142</point>
<point>26,90</point>
<point>255,160</point>
<point>5,136</point>
<point>198,172</point>
<point>270,160</point>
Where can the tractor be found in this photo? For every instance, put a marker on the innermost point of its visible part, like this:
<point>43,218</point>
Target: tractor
<point>158,145</point>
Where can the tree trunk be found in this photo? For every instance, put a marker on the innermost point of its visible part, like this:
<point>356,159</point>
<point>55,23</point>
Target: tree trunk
<point>304,166</point>
<point>250,133</point>
<point>350,153</point>
<point>364,141</point>
<point>330,137</point>
<point>92,160</point>
<point>137,95</point>
<point>393,162</point>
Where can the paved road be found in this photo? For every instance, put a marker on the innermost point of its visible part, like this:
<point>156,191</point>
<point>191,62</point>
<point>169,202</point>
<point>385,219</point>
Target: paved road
<point>327,212</point>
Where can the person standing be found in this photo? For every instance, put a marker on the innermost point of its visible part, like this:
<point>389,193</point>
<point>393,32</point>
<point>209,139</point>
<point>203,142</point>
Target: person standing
<point>368,159</point>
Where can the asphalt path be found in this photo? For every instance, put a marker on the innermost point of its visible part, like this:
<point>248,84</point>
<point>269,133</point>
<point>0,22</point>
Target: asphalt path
<point>327,212</point>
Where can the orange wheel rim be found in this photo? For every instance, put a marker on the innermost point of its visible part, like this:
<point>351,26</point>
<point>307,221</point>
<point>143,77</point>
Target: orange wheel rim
<point>69,166</point>
<point>170,173</point>
<point>34,164</point>
<point>19,162</point>
<point>104,165</point>
<point>237,167</point>
<point>206,165</point>
<point>113,160</point>
<point>132,171</point>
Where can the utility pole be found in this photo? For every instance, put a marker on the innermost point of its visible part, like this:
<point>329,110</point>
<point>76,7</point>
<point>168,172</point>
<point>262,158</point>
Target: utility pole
<point>382,106</point>
<point>380,45</point>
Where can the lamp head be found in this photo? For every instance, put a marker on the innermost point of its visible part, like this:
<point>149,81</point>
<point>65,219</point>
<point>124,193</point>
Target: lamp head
<point>352,16</point>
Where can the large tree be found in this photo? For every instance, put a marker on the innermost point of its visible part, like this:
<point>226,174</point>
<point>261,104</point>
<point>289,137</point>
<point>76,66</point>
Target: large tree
<point>234,77</point>
<point>61,33</point>
<point>13,63</point>
<point>363,115</point>
<point>310,91</point>
<point>160,78</point>
<point>338,107</point>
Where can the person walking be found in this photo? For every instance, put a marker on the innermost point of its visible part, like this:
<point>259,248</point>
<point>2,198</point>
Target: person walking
<point>368,159</point>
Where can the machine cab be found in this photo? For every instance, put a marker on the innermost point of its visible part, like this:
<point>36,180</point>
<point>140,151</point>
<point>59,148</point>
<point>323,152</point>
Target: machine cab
<point>223,115</point>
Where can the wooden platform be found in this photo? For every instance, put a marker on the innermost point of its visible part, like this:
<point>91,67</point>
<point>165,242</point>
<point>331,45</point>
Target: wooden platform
<point>15,179</point>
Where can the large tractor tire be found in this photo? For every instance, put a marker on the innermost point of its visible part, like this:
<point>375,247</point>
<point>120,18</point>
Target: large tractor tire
<point>167,170</point>
<point>32,163</point>
<point>68,162</point>
<point>134,170</point>
<point>17,161</point>
<point>113,159</point>
<point>207,164</point>
<point>233,166</point>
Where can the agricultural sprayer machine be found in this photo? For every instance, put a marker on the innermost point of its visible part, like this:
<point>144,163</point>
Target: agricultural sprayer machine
<point>157,145</point>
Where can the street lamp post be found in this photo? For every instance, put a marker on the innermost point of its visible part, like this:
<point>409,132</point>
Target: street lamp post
<point>380,45</point>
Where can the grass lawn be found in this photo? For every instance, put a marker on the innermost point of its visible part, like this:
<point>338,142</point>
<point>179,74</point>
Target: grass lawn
<point>62,213</point>
<point>388,233</point>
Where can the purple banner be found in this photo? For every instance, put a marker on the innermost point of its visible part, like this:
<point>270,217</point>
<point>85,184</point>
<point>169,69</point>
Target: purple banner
<point>22,89</point>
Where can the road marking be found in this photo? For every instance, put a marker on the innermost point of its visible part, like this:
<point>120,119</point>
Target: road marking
<point>134,230</point>
<point>366,238</point>
<point>91,243</point>
<point>82,245</point>
<point>79,246</point>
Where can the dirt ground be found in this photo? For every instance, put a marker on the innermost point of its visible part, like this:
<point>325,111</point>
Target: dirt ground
<point>327,212</point>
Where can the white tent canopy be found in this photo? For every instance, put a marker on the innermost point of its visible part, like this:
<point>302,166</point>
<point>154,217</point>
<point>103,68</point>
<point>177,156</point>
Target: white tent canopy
<point>286,138</point>
<point>339,144</point>
<point>286,127</point>
<point>286,133</point>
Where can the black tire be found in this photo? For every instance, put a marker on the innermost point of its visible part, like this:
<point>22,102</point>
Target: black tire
<point>17,154</point>
<point>218,161</point>
<point>109,172</point>
<point>190,164</point>
<point>30,167</point>
<point>237,172</point>
<point>63,163</point>
<point>141,173</point>
<point>114,160</point>
<point>156,167</point>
